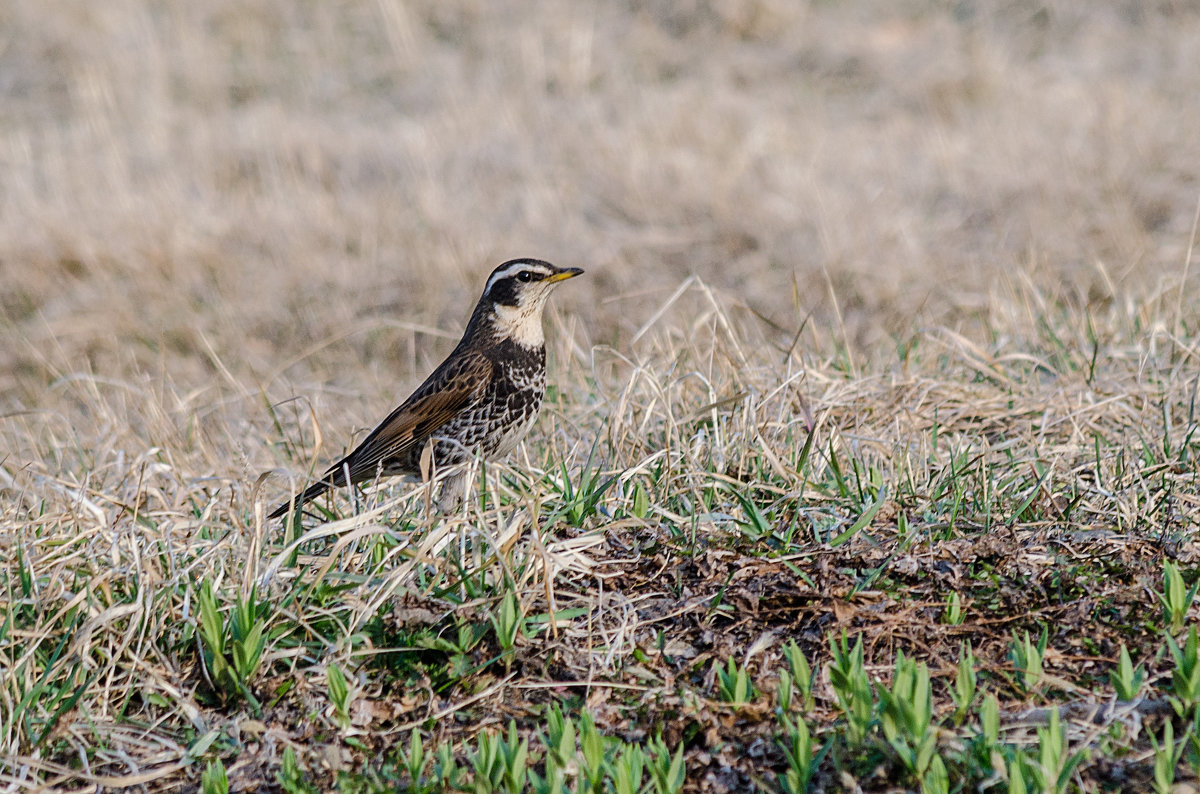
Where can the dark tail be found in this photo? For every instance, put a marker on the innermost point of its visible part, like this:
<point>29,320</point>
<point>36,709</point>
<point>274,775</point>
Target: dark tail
<point>299,500</point>
<point>334,478</point>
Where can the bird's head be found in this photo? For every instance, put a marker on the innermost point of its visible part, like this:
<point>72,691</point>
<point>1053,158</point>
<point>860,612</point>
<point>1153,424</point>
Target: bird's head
<point>514,297</point>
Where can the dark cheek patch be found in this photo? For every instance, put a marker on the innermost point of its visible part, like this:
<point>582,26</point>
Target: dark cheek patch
<point>505,292</point>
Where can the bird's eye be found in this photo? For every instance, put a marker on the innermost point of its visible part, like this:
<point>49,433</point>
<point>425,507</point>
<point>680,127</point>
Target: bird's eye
<point>525,275</point>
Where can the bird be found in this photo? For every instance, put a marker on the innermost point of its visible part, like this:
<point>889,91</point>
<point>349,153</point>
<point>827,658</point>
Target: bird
<point>480,401</point>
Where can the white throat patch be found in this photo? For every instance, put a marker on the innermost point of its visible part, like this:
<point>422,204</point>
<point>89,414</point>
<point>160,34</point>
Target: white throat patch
<point>522,324</point>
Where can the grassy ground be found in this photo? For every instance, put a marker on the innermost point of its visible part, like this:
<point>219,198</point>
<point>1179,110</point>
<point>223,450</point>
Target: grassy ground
<point>870,447</point>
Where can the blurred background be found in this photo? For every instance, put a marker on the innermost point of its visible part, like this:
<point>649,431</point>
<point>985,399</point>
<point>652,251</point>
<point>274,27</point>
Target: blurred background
<point>235,233</point>
<point>295,196</point>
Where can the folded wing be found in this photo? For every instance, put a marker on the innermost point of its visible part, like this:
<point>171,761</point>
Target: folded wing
<point>455,386</point>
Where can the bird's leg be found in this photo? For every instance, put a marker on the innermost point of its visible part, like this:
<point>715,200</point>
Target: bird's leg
<point>454,491</point>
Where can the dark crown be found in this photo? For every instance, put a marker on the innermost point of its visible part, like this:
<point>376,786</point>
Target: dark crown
<point>507,282</point>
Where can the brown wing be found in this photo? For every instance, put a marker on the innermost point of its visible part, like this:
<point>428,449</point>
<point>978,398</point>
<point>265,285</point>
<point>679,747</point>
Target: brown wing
<point>452,388</point>
<point>455,386</point>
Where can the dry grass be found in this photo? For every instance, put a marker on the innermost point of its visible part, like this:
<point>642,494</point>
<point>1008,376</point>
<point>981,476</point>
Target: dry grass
<point>230,233</point>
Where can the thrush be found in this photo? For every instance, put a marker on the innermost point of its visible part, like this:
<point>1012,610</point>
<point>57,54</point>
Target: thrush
<point>480,401</point>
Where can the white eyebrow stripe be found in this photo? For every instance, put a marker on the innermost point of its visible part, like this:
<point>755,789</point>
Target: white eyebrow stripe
<point>512,270</point>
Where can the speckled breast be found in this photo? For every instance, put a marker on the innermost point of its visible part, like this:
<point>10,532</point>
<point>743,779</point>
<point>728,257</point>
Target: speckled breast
<point>505,413</point>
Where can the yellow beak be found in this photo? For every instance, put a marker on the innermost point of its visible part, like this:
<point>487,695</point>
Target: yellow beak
<point>563,275</point>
